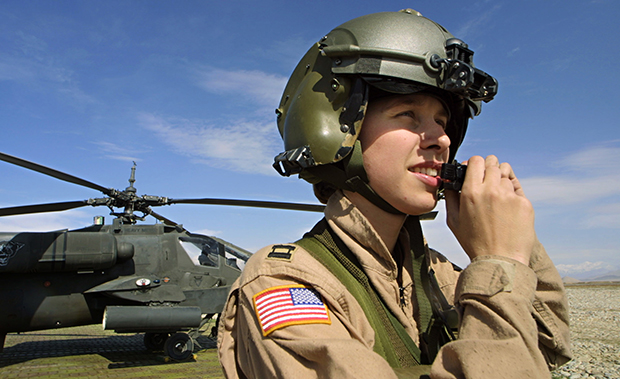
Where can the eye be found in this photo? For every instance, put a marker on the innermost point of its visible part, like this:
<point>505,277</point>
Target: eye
<point>407,114</point>
<point>442,122</point>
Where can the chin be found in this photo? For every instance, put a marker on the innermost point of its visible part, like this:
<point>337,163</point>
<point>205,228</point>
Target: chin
<point>419,208</point>
<point>412,201</point>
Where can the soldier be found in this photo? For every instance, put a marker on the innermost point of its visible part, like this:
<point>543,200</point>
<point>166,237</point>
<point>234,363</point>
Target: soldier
<point>368,117</point>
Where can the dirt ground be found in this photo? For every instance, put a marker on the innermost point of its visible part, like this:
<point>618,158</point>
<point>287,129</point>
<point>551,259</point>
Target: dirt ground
<point>91,352</point>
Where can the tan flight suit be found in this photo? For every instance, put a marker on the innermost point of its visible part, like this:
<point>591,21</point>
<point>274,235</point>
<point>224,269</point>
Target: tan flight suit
<point>514,319</point>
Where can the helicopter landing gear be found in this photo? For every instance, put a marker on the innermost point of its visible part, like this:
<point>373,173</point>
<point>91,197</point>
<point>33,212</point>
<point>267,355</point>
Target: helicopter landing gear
<point>155,341</point>
<point>179,346</point>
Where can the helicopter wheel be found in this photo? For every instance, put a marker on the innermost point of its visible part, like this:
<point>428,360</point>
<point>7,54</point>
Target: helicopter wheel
<point>155,341</point>
<point>179,346</point>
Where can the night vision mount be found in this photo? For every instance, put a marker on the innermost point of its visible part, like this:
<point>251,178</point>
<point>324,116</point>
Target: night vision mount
<point>460,75</point>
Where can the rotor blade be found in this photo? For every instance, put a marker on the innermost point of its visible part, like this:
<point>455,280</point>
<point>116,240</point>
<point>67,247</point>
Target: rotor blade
<point>251,203</point>
<point>53,173</point>
<point>272,204</point>
<point>41,208</point>
<point>163,219</point>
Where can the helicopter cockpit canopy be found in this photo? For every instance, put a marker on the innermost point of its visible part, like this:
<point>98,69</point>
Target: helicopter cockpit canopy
<point>209,251</point>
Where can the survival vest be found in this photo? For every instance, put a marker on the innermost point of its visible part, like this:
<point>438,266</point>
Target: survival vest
<point>438,318</point>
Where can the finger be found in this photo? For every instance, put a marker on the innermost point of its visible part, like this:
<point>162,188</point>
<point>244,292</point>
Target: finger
<point>492,173</point>
<point>508,173</point>
<point>475,171</point>
<point>517,186</point>
<point>491,161</point>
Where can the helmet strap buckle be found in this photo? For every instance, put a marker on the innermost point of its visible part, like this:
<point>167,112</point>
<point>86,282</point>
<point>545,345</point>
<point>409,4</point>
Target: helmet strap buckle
<point>293,161</point>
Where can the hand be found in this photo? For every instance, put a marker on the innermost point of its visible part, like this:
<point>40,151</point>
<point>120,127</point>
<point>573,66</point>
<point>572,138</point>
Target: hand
<point>491,215</point>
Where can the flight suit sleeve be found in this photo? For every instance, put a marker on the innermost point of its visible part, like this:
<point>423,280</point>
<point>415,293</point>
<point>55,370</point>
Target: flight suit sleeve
<point>341,349</point>
<point>514,321</point>
<point>551,310</point>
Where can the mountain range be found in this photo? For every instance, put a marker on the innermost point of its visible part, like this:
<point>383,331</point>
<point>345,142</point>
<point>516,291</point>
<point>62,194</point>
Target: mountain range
<point>611,276</point>
<point>588,271</point>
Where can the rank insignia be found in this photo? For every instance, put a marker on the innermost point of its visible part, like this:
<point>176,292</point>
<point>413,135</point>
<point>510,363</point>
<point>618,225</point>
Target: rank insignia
<point>282,252</point>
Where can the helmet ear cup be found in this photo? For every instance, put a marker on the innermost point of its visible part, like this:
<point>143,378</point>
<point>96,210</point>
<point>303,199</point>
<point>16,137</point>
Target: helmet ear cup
<point>310,112</point>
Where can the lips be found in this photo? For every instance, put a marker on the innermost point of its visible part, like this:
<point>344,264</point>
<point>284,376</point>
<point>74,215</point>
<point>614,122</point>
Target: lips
<point>428,173</point>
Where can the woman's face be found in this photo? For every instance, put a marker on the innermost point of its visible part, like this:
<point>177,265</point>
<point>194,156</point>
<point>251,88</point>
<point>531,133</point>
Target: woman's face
<point>404,145</point>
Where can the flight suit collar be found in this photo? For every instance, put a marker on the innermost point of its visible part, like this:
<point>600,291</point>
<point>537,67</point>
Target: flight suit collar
<point>347,218</point>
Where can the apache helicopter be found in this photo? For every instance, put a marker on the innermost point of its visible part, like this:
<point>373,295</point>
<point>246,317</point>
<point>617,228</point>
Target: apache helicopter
<point>131,278</point>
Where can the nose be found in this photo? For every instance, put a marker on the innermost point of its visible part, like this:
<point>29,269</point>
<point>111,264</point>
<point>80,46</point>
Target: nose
<point>434,137</point>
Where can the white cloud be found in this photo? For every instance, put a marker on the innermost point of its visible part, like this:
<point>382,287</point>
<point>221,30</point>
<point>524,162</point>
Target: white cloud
<point>12,69</point>
<point>600,159</point>
<point>245,146</point>
<point>478,24</point>
<point>586,178</point>
<point>29,44</point>
<point>563,190</point>
<point>585,267</point>
<point>45,222</point>
<point>114,151</point>
<point>43,72</point>
<point>257,86</point>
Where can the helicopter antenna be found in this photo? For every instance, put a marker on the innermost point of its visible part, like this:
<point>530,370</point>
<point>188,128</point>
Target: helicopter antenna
<point>130,201</point>
<point>132,179</point>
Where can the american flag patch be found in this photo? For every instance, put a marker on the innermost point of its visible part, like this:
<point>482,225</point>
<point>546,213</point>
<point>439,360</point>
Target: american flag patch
<point>282,306</point>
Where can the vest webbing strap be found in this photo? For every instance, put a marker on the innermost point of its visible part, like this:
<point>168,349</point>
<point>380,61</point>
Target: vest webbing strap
<point>438,318</point>
<point>420,272</point>
<point>391,339</point>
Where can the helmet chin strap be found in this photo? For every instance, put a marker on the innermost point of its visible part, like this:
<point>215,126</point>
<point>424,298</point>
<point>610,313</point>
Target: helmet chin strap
<point>355,177</point>
<point>357,181</point>
<point>349,174</point>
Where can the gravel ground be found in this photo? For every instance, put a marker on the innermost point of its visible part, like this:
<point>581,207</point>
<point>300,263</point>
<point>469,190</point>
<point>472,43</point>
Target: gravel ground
<point>595,332</point>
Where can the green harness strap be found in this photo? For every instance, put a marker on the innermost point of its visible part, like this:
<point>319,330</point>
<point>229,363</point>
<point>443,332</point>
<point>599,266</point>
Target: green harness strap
<point>438,318</point>
<point>391,339</point>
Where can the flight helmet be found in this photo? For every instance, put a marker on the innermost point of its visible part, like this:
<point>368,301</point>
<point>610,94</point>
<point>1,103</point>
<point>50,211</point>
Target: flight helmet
<point>324,103</point>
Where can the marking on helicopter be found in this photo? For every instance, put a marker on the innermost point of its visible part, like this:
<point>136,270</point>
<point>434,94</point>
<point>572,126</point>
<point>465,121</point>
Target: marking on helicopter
<point>281,252</point>
<point>8,251</point>
<point>143,282</point>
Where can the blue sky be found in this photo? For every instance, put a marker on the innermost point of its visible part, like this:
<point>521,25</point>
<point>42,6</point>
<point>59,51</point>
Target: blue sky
<point>187,90</point>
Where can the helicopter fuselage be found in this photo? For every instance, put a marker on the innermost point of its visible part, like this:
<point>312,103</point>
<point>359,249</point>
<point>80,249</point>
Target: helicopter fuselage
<point>69,278</point>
